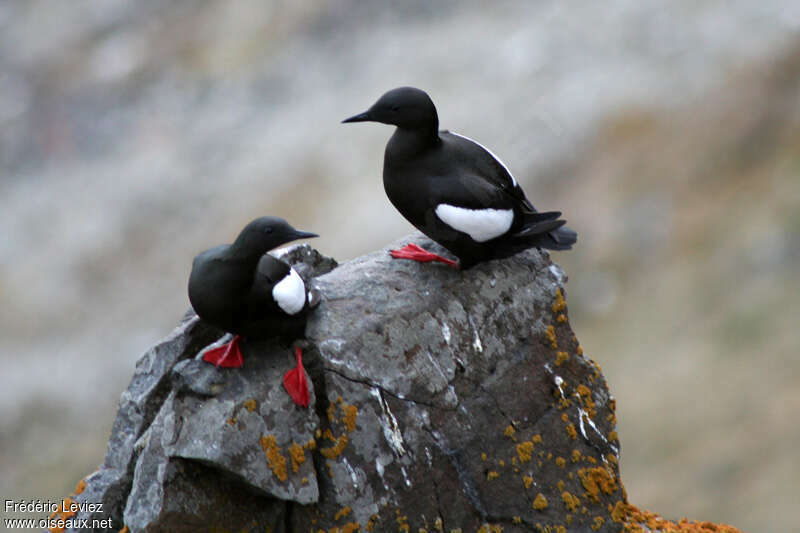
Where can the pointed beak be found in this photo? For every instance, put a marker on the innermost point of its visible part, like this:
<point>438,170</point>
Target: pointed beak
<point>361,117</point>
<point>304,235</point>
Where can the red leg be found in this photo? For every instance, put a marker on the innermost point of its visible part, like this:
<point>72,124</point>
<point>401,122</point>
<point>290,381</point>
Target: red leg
<point>296,383</point>
<point>415,253</point>
<point>227,356</point>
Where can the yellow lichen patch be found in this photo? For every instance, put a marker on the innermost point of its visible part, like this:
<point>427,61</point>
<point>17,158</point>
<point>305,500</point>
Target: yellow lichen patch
<point>540,502</point>
<point>490,528</point>
<point>583,391</point>
<point>492,474</point>
<point>297,455</point>
<point>561,358</point>
<point>304,481</point>
<point>438,525</point>
<point>576,455</point>
<point>579,350</point>
<point>571,431</point>
<point>371,522</point>
<point>536,439</point>
<point>342,513</point>
<point>597,523</point>
<point>570,502</point>
<point>564,417</point>
<point>336,450</point>
<point>349,417</point>
<point>516,519</point>
<point>611,458</point>
<point>402,523</point>
<point>275,460</point>
<point>124,529</point>
<point>612,436</point>
<point>231,421</point>
<point>527,481</point>
<point>561,318</point>
<point>310,445</point>
<point>550,333</point>
<point>250,404</point>
<point>509,431</point>
<point>560,304</point>
<point>619,512</point>
<point>560,461</point>
<point>524,451</point>
<point>597,479</point>
<point>560,484</point>
<point>80,487</point>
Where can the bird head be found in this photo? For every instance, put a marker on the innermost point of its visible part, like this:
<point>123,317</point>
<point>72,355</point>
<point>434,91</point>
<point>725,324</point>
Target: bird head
<point>404,107</point>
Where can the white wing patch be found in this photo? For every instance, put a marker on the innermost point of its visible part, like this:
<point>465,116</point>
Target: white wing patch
<point>290,293</point>
<point>513,181</point>
<point>480,224</point>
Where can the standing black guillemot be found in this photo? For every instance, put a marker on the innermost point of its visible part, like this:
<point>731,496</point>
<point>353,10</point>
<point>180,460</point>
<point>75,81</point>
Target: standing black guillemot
<point>454,190</point>
<point>242,289</point>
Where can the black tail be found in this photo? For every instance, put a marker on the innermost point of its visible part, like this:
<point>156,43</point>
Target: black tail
<point>545,230</point>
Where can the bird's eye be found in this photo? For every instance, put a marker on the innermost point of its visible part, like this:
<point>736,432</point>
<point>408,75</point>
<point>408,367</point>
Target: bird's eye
<point>395,108</point>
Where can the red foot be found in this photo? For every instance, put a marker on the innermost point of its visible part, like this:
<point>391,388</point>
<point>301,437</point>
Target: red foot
<point>415,253</point>
<point>295,381</point>
<point>227,356</point>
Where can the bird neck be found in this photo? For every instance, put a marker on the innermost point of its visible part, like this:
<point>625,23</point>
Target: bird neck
<point>408,142</point>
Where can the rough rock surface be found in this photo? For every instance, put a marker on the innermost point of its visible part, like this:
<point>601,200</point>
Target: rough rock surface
<point>442,400</point>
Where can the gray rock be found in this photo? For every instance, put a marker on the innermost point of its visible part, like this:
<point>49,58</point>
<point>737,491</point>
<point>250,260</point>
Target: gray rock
<point>441,400</point>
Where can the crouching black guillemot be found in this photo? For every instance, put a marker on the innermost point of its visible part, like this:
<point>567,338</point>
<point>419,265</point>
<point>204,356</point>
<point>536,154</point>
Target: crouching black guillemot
<point>454,190</point>
<point>242,289</point>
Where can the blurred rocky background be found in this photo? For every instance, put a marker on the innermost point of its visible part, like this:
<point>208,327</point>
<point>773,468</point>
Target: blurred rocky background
<point>135,134</point>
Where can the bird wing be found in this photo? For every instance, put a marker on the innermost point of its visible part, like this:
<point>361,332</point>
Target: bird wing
<point>487,166</point>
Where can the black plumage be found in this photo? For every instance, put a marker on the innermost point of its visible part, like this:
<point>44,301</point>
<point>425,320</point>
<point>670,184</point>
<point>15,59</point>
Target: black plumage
<point>231,285</point>
<point>454,190</point>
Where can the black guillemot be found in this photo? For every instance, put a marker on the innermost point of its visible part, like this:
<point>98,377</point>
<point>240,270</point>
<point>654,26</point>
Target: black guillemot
<point>454,190</point>
<point>242,289</point>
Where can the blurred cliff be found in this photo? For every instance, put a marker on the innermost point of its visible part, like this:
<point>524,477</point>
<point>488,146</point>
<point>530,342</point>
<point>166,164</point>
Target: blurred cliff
<point>133,135</point>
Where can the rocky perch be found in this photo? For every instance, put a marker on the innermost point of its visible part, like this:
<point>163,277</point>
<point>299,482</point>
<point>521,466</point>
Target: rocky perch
<point>442,401</point>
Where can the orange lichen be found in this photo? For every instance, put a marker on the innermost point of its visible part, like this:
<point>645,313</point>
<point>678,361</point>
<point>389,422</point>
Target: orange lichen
<point>571,431</point>
<point>371,522</point>
<point>550,333</point>
<point>501,462</point>
<point>561,358</point>
<point>342,513</point>
<point>124,529</point>
<point>540,502</point>
<point>80,487</point>
<point>275,460</point>
<point>638,521</point>
<point>570,502</point>
<point>528,481</point>
<point>597,479</point>
<point>492,474</point>
<point>612,436</point>
<point>250,404</point>
<point>560,484</point>
<point>310,445</point>
<point>483,456</point>
<point>349,417</point>
<point>536,439</point>
<point>560,304</point>
<point>336,450</point>
<point>516,519</point>
<point>524,451</point>
<point>561,318</point>
<point>597,523</point>
<point>509,431</point>
<point>490,528</point>
<point>576,455</point>
<point>560,461</point>
<point>579,350</point>
<point>297,455</point>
